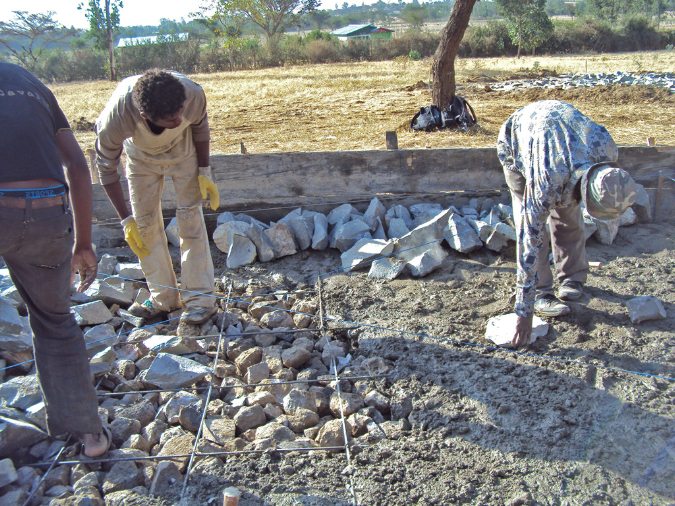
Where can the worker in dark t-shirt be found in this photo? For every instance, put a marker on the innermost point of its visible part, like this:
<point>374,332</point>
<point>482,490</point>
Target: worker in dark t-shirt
<point>42,243</point>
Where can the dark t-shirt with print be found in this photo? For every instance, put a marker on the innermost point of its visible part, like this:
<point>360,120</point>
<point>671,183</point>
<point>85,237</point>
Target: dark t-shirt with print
<point>30,118</point>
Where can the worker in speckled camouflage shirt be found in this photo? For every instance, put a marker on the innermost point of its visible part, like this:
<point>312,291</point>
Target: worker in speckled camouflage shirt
<point>555,159</point>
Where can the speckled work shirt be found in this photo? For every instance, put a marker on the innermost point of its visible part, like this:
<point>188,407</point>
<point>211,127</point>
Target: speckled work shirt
<point>551,145</point>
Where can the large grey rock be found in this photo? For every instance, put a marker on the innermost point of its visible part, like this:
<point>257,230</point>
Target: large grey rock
<point>107,264</point>
<point>15,434</point>
<point>645,308</point>
<point>20,392</point>
<point>398,212</point>
<point>224,218</point>
<point>222,235</point>
<point>346,235</point>
<point>364,251</point>
<point>13,297</point>
<point>320,236</point>
<point>607,230</point>
<point>242,251</point>
<point>375,214</point>
<point>100,337</point>
<point>262,244</point>
<point>302,227</point>
<point>10,321</point>
<point>295,356</point>
<point>277,319</point>
<point>342,214</point>
<point>91,313</point>
<point>425,208</point>
<point>426,237</point>
<point>172,233</point>
<point>501,329</point>
<point>37,415</point>
<point>19,342</point>
<point>7,472</point>
<point>397,228</point>
<point>173,344</point>
<point>500,237</point>
<point>296,399</point>
<point>422,213</point>
<point>130,271</point>
<point>386,268</point>
<point>281,239</point>
<point>178,401</point>
<point>172,371</point>
<point>642,205</point>
<point>120,293</point>
<point>628,218</point>
<point>460,235</point>
<point>274,431</point>
<point>332,435</point>
<point>481,227</point>
<point>427,262</point>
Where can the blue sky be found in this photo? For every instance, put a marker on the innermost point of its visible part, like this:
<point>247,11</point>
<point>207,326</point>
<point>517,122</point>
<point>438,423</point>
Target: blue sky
<point>134,12</point>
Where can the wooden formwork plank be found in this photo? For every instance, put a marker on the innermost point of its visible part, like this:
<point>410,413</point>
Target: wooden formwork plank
<point>284,180</point>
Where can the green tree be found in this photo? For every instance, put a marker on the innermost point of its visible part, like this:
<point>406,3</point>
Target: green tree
<point>529,24</point>
<point>414,14</point>
<point>272,16</point>
<point>104,24</point>
<point>319,18</point>
<point>27,36</point>
<point>228,28</point>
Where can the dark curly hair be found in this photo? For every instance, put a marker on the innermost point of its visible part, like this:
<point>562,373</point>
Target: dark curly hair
<point>158,94</point>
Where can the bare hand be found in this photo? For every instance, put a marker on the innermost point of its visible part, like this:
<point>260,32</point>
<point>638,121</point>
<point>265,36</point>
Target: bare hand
<point>84,262</point>
<point>523,332</point>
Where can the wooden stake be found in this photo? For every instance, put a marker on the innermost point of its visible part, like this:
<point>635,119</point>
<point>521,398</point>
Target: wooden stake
<point>392,140</point>
<point>659,189</point>
<point>231,497</point>
<point>243,149</point>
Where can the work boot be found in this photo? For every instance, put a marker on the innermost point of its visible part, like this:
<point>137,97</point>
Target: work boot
<point>570,290</point>
<point>196,316</point>
<point>145,310</point>
<point>548,305</point>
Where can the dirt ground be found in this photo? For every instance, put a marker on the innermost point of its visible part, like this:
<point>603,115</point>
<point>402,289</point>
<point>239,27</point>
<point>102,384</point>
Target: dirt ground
<point>576,419</point>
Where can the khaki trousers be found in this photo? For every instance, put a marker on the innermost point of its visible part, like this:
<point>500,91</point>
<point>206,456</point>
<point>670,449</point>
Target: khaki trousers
<point>146,183</point>
<point>567,237</point>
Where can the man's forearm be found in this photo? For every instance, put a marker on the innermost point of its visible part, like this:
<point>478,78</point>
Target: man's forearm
<point>116,196</point>
<point>202,148</point>
<point>79,183</point>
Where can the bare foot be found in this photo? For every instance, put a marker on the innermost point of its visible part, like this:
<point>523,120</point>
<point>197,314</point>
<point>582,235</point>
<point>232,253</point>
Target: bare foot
<point>95,445</point>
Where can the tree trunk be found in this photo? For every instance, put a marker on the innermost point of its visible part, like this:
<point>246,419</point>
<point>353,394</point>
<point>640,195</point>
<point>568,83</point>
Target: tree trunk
<point>520,35</point>
<point>111,47</point>
<point>443,67</point>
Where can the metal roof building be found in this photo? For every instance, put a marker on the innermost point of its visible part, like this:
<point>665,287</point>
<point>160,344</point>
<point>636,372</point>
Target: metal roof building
<point>362,31</point>
<point>152,39</point>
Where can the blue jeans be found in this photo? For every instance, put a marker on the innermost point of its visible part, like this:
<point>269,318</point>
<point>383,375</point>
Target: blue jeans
<point>36,245</point>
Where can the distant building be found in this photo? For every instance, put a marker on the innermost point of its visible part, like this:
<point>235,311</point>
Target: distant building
<point>362,32</point>
<point>152,39</point>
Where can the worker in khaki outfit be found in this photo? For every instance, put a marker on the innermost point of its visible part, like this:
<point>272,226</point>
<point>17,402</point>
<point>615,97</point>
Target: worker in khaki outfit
<point>555,159</point>
<point>160,120</point>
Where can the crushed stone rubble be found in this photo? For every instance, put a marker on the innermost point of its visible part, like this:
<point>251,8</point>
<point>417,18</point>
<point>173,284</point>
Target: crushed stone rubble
<point>269,340</point>
<point>664,80</point>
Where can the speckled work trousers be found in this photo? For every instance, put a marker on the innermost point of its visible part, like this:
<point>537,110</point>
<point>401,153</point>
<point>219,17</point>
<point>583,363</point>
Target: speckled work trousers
<point>566,236</point>
<point>36,245</point>
<point>146,183</point>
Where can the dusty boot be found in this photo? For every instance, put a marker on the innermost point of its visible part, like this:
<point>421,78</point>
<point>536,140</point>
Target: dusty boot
<point>570,290</point>
<point>548,305</point>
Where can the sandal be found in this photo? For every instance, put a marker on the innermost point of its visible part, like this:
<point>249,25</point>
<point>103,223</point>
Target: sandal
<point>108,435</point>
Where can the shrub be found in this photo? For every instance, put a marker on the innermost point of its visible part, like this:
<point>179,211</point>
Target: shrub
<point>321,51</point>
<point>490,39</point>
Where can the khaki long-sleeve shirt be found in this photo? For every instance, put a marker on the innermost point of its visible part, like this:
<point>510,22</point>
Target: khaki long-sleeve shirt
<point>120,125</point>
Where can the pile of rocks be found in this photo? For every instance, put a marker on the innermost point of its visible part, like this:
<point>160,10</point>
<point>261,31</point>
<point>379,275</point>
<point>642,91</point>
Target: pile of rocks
<point>581,80</point>
<point>269,343</point>
<point>393,240</point>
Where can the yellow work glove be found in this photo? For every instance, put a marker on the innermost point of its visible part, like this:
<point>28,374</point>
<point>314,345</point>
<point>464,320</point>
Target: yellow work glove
<point>207,186</point>
<point>133,237</point>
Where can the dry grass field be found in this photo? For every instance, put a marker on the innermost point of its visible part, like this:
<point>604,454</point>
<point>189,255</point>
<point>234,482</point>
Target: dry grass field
<point>351,106</point>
